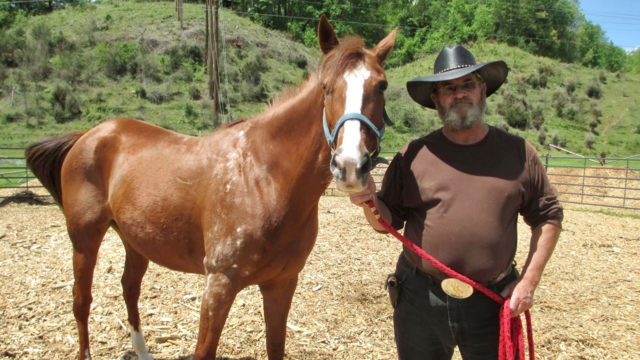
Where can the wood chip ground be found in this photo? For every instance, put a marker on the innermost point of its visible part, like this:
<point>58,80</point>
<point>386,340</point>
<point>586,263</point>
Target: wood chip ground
<point>586,306</point>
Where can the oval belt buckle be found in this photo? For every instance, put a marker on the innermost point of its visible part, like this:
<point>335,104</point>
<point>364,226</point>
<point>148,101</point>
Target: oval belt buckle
<point>456,288</point>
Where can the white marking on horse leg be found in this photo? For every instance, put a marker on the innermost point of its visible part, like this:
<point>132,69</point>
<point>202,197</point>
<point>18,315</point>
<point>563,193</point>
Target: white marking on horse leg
<point>87,356</point>
<point>355,90</point>
<point>139,346</point>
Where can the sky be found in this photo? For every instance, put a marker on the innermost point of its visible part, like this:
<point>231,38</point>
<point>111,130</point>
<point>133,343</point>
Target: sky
<point>619,19</point>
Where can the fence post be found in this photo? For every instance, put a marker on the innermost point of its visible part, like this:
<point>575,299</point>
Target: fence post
<point>546,162</point>
<point>26,174</point>
<point>584,176</point>
<point>626,179</point>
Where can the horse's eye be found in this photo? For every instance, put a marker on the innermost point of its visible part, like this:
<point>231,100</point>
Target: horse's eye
<point>325,89</point>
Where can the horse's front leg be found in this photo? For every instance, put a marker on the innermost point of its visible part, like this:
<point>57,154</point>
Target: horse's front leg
<point>277,296</point>
<point>219,293</point>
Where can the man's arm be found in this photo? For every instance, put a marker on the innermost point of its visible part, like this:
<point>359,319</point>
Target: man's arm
<point>543,242</point>
<point>370,194</point>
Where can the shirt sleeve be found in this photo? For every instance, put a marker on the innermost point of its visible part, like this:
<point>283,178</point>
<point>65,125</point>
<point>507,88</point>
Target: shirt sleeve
<point>541,203</point>
<point>391,191</point>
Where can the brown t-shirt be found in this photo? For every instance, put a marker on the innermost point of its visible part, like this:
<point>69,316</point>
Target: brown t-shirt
<point>460,203</point>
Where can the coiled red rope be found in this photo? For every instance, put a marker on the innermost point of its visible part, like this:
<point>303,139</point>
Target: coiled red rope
<point>511,334</point>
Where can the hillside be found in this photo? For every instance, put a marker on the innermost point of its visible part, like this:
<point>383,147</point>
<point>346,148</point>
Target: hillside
<point>80,66</point>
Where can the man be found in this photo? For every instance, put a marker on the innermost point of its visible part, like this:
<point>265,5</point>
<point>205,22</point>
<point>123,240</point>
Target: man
<point>458,192</point>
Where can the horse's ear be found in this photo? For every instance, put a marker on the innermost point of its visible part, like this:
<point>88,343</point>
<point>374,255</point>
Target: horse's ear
<point>385,45</point>
<point>326,36</point>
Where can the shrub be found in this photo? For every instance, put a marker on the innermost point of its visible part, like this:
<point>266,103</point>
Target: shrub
<point>13,117</point>
<point>589,140</point>
<point>602,77</point>
<point>64,104</point>
<point>517,115</point>
<point>12,43</point>
<point>572,113</point>
<point>117,60</point>
<point>253,68</point>
<point>194,53</point>
<point>140,92</point>
<point>554,138</point>
<point>571,86</point>
<point>595,111</point>
<point>149,67</point>
<point>560,101</point>
<point>194,93</point>
<point>538,80</point>
<point>537,117</point>
<point>593,90</point>
<point>300,61</point>
<point>542,136</point>
<point>159,95</point>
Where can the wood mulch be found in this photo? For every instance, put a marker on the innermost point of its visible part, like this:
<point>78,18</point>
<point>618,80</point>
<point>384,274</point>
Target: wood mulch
<point>586,306</point>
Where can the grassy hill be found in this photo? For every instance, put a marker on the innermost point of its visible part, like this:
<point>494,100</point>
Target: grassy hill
<point>81,66</point>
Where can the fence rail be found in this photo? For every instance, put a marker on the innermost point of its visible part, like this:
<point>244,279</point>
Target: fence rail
<point>608,182</point>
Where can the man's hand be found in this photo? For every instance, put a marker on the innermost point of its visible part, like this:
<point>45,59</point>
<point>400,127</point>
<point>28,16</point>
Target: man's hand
<point>367,194</point>
<point>521,295</point>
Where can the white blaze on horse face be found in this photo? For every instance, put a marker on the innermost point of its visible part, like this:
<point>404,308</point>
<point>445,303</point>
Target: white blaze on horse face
<point>355,91</point>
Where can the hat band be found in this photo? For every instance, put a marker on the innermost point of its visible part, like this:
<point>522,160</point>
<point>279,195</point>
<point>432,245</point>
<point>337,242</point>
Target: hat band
<point>454,68</point>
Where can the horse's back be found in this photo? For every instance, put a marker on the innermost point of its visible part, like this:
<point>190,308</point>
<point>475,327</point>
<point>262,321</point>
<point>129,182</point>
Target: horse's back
<point>126,173</point>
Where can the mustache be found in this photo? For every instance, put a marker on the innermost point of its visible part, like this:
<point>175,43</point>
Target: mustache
<point>462,101</point>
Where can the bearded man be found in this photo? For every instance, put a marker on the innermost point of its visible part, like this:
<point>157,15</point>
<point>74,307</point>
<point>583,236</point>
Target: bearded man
<point>457,193</point>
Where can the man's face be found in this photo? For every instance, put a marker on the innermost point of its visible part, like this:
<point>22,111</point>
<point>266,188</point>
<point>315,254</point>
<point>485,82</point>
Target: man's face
<point>460,102</point>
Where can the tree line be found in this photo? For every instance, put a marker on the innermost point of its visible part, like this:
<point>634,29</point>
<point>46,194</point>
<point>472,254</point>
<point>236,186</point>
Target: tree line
<point>553,28</point>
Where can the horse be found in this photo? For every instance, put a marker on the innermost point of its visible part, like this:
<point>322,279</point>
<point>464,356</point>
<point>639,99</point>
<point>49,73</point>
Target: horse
<point>239,205</point>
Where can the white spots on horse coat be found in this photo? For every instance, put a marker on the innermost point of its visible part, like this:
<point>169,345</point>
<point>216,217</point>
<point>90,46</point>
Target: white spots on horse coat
<point>139,346</point>
<point>354,95</point>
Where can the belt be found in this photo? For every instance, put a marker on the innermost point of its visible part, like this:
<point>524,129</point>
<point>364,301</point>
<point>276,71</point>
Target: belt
<point>506,272</point>
<point>433,279</point>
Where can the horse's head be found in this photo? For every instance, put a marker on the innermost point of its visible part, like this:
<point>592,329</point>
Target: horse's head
<point>354,118</point>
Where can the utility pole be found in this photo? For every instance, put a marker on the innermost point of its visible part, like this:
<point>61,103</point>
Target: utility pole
<point>179,6</point>
<point>216,39</point>
<point>212,54</point>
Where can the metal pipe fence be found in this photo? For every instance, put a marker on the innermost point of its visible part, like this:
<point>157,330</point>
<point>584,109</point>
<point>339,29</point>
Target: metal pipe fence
<point>599,182</point>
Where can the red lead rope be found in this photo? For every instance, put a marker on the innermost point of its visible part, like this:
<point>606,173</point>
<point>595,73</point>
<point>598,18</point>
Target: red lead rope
<point>511,335</point>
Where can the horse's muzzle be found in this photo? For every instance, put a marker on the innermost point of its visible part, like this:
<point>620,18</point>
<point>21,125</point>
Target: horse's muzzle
<point>350,173</point>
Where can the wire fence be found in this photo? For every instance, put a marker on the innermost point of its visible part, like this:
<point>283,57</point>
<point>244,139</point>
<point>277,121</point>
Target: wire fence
<point>597,182</point>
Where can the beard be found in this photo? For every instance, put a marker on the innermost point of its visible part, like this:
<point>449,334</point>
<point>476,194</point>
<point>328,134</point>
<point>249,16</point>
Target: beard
<point>462,114</point>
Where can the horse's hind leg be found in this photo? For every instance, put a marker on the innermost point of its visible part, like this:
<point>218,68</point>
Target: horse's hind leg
<point>86,243</point>
<point>135,267</point>
<point>277,298</point>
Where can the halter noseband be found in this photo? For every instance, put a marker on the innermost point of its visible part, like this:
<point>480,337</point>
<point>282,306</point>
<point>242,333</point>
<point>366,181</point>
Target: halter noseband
<point>331,135</point>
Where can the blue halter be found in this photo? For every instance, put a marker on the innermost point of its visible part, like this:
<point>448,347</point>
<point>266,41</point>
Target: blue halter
<point>331,136</point>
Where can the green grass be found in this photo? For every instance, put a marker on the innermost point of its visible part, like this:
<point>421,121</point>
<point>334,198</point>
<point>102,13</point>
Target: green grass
<point>258,64</point>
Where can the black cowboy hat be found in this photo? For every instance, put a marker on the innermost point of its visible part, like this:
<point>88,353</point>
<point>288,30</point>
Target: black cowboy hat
<point>454,62</point>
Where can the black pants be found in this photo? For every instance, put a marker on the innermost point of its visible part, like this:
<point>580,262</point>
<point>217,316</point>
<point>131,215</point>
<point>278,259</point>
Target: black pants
<point>428,324</point>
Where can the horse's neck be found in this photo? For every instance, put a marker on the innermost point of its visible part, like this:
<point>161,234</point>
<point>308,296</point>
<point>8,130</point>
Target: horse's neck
<point>289,136</point>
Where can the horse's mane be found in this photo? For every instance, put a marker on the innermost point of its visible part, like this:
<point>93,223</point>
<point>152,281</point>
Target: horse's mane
<point>345,56</point>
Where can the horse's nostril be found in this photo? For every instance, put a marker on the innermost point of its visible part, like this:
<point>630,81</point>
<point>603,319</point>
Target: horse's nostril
<point>366,165</point>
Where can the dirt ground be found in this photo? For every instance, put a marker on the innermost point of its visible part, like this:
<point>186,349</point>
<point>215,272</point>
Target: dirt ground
<point>586,306</point>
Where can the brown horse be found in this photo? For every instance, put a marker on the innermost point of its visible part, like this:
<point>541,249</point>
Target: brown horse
<point>239,206</point>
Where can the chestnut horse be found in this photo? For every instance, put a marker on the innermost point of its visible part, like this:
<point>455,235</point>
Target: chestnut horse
<point>239,206</point>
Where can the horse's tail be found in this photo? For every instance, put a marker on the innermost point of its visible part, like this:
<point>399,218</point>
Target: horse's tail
<point>45,158</point>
